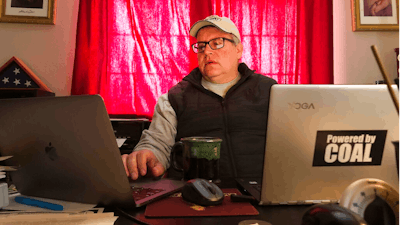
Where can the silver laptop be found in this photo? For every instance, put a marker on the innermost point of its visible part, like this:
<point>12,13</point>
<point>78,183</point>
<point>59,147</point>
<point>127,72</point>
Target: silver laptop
<point>66,149</point>
<point>321,138</point>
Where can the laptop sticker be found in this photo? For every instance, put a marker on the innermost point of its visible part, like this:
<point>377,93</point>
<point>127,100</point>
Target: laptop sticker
<point>349,148</point>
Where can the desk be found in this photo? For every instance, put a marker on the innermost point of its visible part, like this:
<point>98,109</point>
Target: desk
<point>276,215</point>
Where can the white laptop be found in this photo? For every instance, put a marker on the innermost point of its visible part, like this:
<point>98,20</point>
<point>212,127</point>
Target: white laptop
<point>321,138</point>
<point>65,148</point>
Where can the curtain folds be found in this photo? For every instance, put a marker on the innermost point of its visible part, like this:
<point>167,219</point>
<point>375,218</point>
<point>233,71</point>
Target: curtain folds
<point>315,42</point>
<point>130,52</point>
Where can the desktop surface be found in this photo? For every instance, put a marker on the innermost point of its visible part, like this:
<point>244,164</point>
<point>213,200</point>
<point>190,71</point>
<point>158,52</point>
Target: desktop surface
<point>276,215</point>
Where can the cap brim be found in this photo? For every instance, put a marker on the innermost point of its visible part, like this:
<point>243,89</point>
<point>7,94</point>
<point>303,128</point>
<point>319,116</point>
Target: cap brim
<point>197,26</point>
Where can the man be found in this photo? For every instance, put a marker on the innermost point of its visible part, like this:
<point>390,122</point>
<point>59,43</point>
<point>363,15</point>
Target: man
<point>221,98</point>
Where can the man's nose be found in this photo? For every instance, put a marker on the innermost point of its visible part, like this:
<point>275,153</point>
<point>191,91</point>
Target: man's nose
<point>208,50</point>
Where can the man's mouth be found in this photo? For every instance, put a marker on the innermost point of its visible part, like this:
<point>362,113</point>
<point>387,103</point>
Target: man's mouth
<point>210,62</point>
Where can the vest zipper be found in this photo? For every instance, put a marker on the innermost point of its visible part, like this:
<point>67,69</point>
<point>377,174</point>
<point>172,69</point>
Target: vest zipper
<point>228,138</point>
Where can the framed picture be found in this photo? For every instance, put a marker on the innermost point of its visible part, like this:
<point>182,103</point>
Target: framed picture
<point>28,11</point>
<point>375,15</point>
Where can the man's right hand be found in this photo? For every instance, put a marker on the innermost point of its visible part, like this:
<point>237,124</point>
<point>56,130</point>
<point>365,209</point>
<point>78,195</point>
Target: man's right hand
<point>140,162</point>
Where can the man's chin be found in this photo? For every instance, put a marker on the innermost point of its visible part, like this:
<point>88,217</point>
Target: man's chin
<point>212,72</point>
<point>210,77</point>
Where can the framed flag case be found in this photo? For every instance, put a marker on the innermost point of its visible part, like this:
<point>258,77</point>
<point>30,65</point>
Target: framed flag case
<point>18,81</point>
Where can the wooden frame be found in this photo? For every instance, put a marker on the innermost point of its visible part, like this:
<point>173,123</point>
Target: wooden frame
<point>28,11</point>
<point>365,19</point>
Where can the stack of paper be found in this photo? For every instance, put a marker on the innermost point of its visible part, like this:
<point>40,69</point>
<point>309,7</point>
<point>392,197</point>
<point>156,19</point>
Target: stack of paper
<point>3,183</point>
<point>3,169</point>
<point>59,219</point>
<point>14,213</point>
<point>72,213</point>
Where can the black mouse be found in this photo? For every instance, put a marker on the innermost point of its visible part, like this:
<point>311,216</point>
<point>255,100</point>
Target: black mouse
<point>331,214</point>
<point>201,192</point>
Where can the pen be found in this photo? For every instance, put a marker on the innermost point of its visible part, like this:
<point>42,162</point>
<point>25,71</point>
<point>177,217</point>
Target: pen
<point>41,204</point>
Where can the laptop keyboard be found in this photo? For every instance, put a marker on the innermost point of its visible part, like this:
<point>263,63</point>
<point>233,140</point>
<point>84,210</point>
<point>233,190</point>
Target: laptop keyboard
<point>140,193</point>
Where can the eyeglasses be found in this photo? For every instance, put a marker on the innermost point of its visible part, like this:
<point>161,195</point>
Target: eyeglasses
<point>214,44</point>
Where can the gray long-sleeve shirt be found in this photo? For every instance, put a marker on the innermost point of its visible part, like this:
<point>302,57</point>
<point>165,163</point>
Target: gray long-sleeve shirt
<point>160,137</point>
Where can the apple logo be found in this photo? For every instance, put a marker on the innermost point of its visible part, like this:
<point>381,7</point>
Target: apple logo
<point>51,152</point>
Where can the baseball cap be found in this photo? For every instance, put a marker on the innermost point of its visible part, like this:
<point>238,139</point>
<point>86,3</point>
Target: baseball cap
<point>223,23</point>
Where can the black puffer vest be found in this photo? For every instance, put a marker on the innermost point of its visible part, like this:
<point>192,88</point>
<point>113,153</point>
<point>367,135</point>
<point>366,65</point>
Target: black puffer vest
<point>239,119</point>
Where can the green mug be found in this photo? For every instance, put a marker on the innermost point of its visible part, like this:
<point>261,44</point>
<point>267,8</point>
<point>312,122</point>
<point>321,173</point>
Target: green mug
<point>198,157</point>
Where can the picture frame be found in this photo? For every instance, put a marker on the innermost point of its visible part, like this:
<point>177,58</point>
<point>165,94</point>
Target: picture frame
<point>28,11</point>
<point>375,15</point>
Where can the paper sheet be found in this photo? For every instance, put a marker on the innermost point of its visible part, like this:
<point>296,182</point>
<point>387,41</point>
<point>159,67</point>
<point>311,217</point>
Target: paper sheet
<point>59,219</point>
<point>2,158</point>
<point>69,207</point>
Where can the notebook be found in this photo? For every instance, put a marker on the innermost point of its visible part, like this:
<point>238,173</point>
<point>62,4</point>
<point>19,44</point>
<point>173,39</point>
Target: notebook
<point>66,149</point>
<point>321,138</point>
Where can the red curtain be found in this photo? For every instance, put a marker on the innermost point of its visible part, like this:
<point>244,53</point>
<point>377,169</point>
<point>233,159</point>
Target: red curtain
<point>130,52</point>
<point>314,53</point>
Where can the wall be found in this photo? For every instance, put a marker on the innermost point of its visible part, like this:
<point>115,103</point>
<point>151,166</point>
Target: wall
<point>353,60</point>
<point>48,50</point>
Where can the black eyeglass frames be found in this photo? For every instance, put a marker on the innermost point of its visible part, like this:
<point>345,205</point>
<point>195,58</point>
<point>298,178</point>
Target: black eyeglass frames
<point>214,44</point>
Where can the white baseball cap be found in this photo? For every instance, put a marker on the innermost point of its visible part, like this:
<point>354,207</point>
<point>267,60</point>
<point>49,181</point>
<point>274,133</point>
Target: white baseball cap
<point>223,23</point>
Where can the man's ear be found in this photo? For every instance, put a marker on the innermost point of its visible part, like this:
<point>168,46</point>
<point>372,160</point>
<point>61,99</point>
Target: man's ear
<point>239,50</point>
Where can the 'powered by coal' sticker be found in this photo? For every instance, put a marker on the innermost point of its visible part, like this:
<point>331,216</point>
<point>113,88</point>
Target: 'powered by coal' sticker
<point>349,148</point>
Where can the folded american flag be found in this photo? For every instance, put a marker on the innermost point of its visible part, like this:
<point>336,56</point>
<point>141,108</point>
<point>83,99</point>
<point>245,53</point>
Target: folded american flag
<point>16,75</point>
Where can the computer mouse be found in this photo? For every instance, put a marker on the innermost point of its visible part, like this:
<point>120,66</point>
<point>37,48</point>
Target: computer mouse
<point>202,192</point>
<point>331,214</point>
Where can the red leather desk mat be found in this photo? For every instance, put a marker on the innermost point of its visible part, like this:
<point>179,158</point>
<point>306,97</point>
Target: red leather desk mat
<point>175,206</point>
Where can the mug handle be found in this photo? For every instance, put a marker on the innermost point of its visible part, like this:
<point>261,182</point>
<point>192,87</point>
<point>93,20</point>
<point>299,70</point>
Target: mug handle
<point>173,155</point>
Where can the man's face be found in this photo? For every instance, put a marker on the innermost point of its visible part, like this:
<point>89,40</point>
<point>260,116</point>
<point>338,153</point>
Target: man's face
<point>221,65</point>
